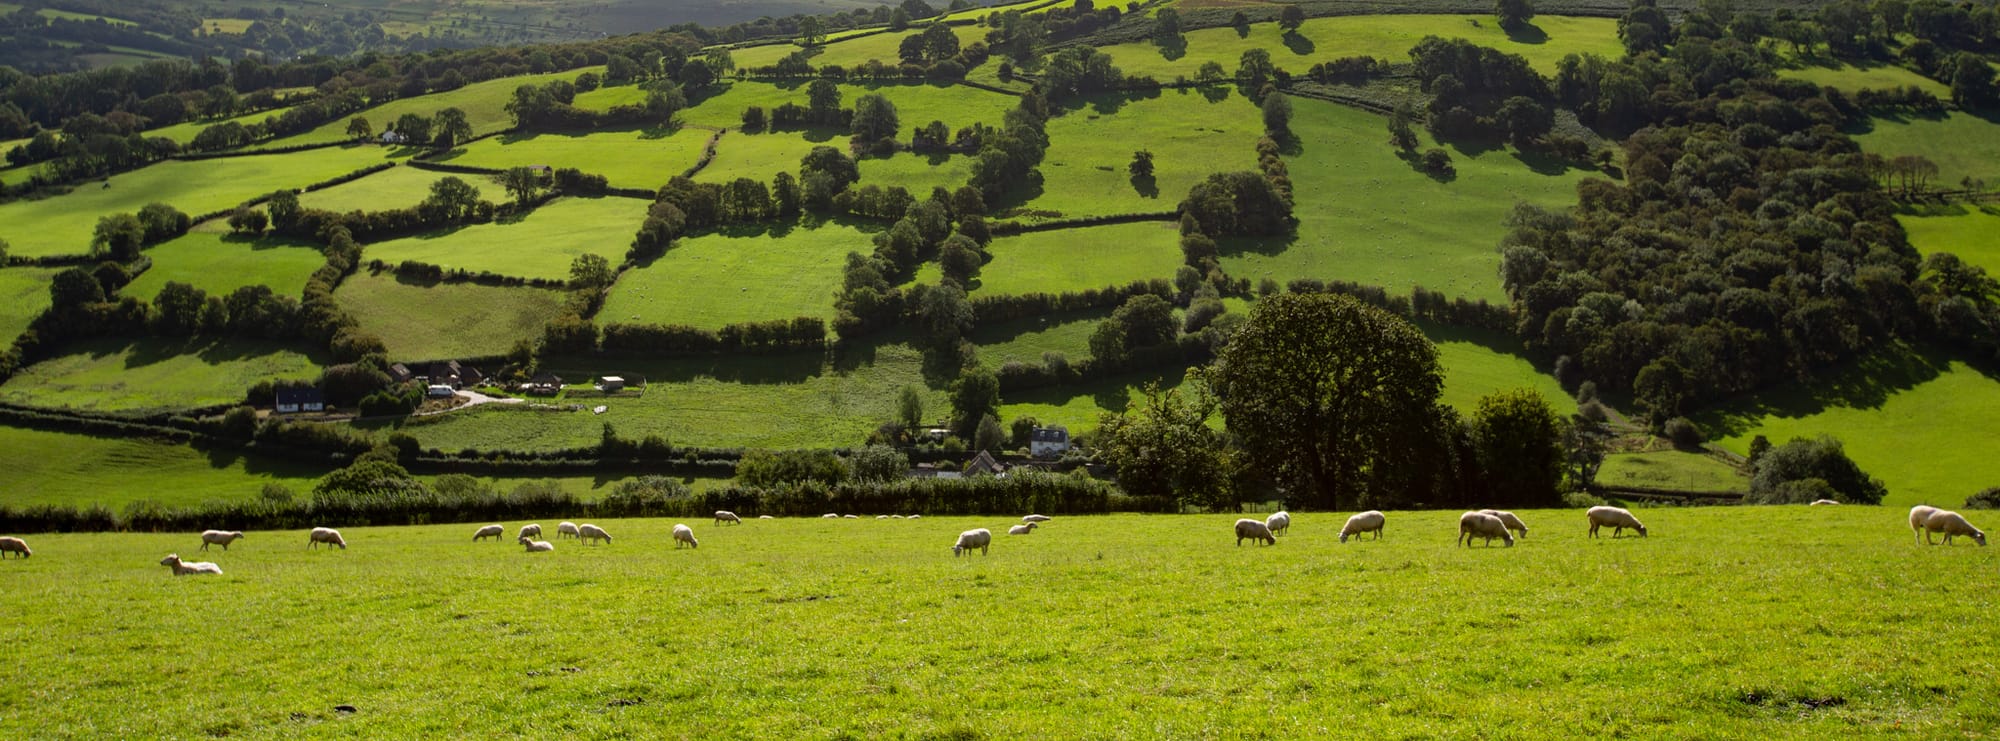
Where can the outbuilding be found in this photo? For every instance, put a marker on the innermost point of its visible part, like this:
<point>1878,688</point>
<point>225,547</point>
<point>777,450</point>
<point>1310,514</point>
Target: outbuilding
<point>294,401</point>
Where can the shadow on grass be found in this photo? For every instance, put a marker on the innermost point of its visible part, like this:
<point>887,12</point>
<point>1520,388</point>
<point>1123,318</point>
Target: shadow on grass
<point>1147,186</point>
<point>1266,246</point>
<point>745,369</point>
<point>1542,163</point>
<point>1865,383</point>
<point>1008,331</point>
<point>1526,33</point>
<point>1299,44</point>
<point>1112,394</point>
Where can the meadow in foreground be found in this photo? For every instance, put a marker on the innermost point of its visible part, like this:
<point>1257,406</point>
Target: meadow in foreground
<point>1772,622</point>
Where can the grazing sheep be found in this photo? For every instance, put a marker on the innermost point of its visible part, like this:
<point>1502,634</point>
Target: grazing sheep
<point>970,539</point>
<point>1036,518</point>
<point>14,545</point>
<point>829,516</point>
<point>1481,525</point>
<point>1919,515</point>
<point>1028,529</point>
<point>325,535</point>
<point>895,517</point>
<point>219,537</point>
<point>567,528</point>
<point>1507,518</point>
<point>490,531</point>
<point>1278,522</point>
<point>537,546</point>
<point>766,517</point>
<point>684,537</point>
<point>1951,524</point>
<point>588,532</point>
<point>1255,530</point>
<point>850,517</point>
<point>182,568</point>
<point>1824,502</point>
<point>1366,522</point>
<point>881,517</point>
<point>723,515</point>
<point>531,531</point>
<point>1617,518</point>
<point>916,517</point>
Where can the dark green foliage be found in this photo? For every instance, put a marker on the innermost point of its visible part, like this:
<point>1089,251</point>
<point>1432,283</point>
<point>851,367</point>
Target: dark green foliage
<point>1518,441</point>
<point>974,396</point>
<point>1238,203</point>
<point>1163,448</point>
<point>1821,459</point>
<point>774,467</point>
<point>879,464</point>
<point>1514,14</point>
<point>1985,499</point>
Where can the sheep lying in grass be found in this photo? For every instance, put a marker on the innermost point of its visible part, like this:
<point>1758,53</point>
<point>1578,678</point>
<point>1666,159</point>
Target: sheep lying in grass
<point>1919,515</point>
<point>1824,502</point>
<point>1036,518</point>
<point>490,531</point>
<point>219,537</point>
<point>723,515</point>
<point>531,531</point>
<point>182,568</point>
<point>850,517</point>
<point>970,539</point>
<point>916,517</point>
<point>1617,518</point>
<point>325,535</point>
<point>1366,522</point>
<point>881,517</point>
<point>1481,525</point>
<point>1951,524</point>
<point>1254,530</point>
<point>766,517</point>
<point>537,546</point>
<point>14,545</point>
<point>829,516</point>
<point>566,529</point>
<point>588,532</point>
<point>1507,518</point>
<point>1027,529</point>
<point>684,537</point>
<point>1278,522</point>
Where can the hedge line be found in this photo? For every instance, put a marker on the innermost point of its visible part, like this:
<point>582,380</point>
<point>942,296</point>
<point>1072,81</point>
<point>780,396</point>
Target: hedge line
<point>416,270</point>
<point>454,169</point>
<point>287,149</point>
<point>1004,228</point>
<point>777,335</point>
<point>1004,308</point>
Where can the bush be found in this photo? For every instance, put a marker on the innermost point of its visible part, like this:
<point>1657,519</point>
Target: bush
<point>1684,433</point>
<point>1820,458</point>
<point>1582,500</point>
<point>1988,499</point>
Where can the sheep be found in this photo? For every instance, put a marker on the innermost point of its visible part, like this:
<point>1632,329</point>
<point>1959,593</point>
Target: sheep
<point>1036,518</point>
<point>537,546</point>
<point>1255,530</point>
<point>588,532</point>
<point>566,528</point>
<point>531,531</point>
<point>325,535</point>
<point>723,515</point>
<point>1278,522</point>
<point>219,537</point>
<point>684,537</point>
<point>490,531</point>
<point>970,539</point>
<point>850,517</point>
<point>1951,524</point>
<point>829,516</point>
<point>766,517</point>
<point>14,545</point>
<point>1479,524</point>
<point>1370,521</point>
<point>895,517</point>
<point>182,568</point>
<point>1617,518</point>
<point>916,517</point>
<point>881,517</point>
<point>1028,529</point>
<point>1919,515</point>
<point>1507,518</point>
<point>1824,502</point>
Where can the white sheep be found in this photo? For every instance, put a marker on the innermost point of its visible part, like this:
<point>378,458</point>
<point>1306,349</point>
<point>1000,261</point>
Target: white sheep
<point>766,517</point>
<point>916,517</point>
<point>684,537</point>
<point>490,531</point>
<point>182,568</point>
<point>1366,522</point>
<point>1617,518</point>
<point>1951,524</point>
<point>537,546</point>
<point>829,516</point>
<point>970,539</point>
<point>1279,522</point>
<point>14,545</point>
<point>723,515</point>
<point>881,517</point>
<point>325,535</point>
<point>1036,518</point>
<point>1507,518</point>
<point>1027,529</point>
<point>1255,530</point>
<point>588,532</point>
<point>1824,502</point>
<point>566,528</point>
<point>219,537</point>
<point>850,517</point>
<point>895,517</point>
<point>1481,525</point>
<point>531,531</point>
<point>1919,515</point>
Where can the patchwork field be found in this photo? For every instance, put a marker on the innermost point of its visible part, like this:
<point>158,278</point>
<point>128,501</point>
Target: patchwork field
<point>1671,469</point>
<point>915,173</point>
<point>1962,145</point>
<point>1971,234</point>
<point>448,320</point>
<point>1080,259</point>
<point>65,468</point>
<point>221,263</point>
<point>1387,37</point>
<point>396,187</point>
<point>916,104</point>
<point>634,158</point>
<point>541,244</point>
<point>24,295</point>
<point>716,279</point>
<point>116,375</point>
<point>761,157</point>
<point>185,132</point>
<point>1849,78</point>
<point>484,103</point>
<point>1478,364</point>
<point>851,52</point>
<point>1092,143</point>
<point>1025,340</point>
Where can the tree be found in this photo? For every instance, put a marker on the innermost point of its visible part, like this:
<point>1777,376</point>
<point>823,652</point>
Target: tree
<point>754,119</point>
<point>910,407</point>
<point>1401,134</point>
<point>875,119</point>
<point>118,236</point>
<point>1517,439</point>
<point>878,464</point>
<point>974,396</point>
<point>414,127</point>
<point>451,128</point>
<point>360,129</point>
<point>1514,14</point>
<point>1167,27</point>
<point>831,162</point>
<point>523,183</point>
<point>812,31</point>
<point>1291,18</point>
<point>1255,68</point>
<point>696,74</point>
<point>591,271</point>
<point>943,316</point>
<point>1277,109</point>
<point>178,309</point>
<point>1238,203</point>
<point>1780,472</point>
<point>451,199</point>
<point>766,468</point>
<point>1972,85</point>
<point>822,100</point>
<point>244,220</point>
<point>960,258</point>
<point>1524,120</point>
<point>1163,446</point>
<point>990,436</point>
<point>1324,392</point>
<point>163,222</point>
<point>74,288</point>
<point>1142,164</point>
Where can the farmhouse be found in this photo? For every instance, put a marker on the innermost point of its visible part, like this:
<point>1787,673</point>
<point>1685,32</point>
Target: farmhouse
<point>1048,442</point>
<point>983,464</point>
<point>294,401</point>
<point>451,373</point>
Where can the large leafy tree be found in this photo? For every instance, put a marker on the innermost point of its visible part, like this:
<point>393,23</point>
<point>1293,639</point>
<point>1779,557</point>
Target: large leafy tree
<point>1164,447</point>
<point>1326,394</point>
<point>1519,443</point>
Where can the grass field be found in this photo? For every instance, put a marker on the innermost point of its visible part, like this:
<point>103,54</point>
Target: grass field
<point>185,132</point>
<point>227,25</point>
<point>220,263</point>
<point>1367,216</point>
<point>70,469</point>
<point>916,104</point>
<point>719,278</point>
<point>484,103</point>
<point>915,173</point>
<point>632,158</point>
<point>852,52</point>
<point>1852,77</point>
<point>605,98</point>
<point>1160,628</point>
<point>1671,469</point>
<point>761,157</point>
<point>1963,145</point>
<point>24,295</point>
<point>539,245</point>
<point>117,375</point>
<point>1477,364</point>
<point>1387,37</point>
<point>452,320</point>
<point>1971,234</point>
<point>63,225</point>
<point>1025,340</point>
<point>1080,259</point>
<point>1091,145</point>
<point>396,187</point>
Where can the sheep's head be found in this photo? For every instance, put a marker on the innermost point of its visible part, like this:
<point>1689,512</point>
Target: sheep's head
<point>1640,528</point>
<point>1343,536</point>
<point>171,559</point>
<point>1508,538</point>
<point>1979,537</point>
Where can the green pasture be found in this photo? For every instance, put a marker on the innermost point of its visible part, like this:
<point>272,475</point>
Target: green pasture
<point>1962,144</point>
<point>1025,340</point>
<point>607,97</point>
<point>62,225</point>
<point>1091,144</point>
<point>1068,260</point>
<point>1671,469</point>
<point>1973,234</point>
<point>1081,407</point>
<point>1155,626</point>
<point>1367,216</point>
<point>65,468</point>
<point>226,25</point>
<point>761,157</point>
<point>1918,421</point>
<point>629,158</point>
<point>1477,364</point>
<point>484,103</point>
<point>24,295</point>
<point>1851,77</point>
<point>726,278</point>
<point>185,131</point>
<point>541,244</point>
<point>396,187</point>
<point>916,104</point>
<point>852,52</point>
<point>221,263</point>
<point>153,375</point>
<point>1389,37</point>
<point>447,320</point>
<point>916,173</point>
<point>70,15</point>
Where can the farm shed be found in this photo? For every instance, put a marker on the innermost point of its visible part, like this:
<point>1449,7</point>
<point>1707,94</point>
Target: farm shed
<point>610,383</point>
<point>294,401</point>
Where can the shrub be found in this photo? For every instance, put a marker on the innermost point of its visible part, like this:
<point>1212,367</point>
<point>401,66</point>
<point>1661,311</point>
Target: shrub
<point>1684,433</point>
<point>1820,458</point>
<point>1582,500</point>
<point>1988,499</point>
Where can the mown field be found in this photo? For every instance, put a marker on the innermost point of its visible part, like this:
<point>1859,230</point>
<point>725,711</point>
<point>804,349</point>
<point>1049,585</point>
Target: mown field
<point>541,244</point>
<point>24,295</point>
<point>1066,260</point>
<point>916,173</point>
<point>1963,145</point>
<point>761,157</point>
<point>1477,364</point>
<point>1026,340</point>
<point>631,158</point>
<point>851,52</point>
<point>396,187</point>
<point>1113,626</point>
<point>221,263</point>
<point>119,375</point>
<point>1091,144</point>
<point>723,278</point>
<point>1850,78</point>
<point>1971,234</point>
<point>447,320</point>
<point>1387,37</point>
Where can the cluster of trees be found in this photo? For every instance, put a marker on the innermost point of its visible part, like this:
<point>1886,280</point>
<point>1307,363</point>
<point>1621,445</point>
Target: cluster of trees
<point>777,335</point>
<point>550,107</point>
<point>1477,91</point>
<point>949,229</point>
<point>1806,470</point>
